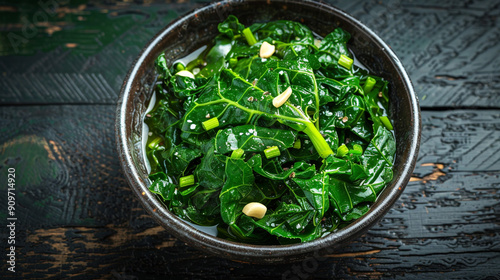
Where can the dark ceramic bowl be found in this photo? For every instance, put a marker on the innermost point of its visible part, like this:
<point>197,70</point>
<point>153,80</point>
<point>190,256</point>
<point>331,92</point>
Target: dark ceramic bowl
<point>198,28</point>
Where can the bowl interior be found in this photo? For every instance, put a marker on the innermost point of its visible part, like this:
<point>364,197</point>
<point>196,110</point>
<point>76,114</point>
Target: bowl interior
<point>197,29</point>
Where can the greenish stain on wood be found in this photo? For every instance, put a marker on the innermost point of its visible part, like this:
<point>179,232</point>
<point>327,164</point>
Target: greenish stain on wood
<point>32,158</point>
<point>35,164</point>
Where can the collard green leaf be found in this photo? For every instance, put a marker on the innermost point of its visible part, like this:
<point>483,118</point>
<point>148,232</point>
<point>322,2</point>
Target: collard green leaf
<point>162,185</point>
<point>207,201</point>
<point>290,221</point>
<point>306,152</point>
<point>328,128</point>
<point>162,67</point>
<point>299,169</point>
<point>163,118</point>
<point>345,196</point>
<point>252,138</point>
<point>284,31</point>
<point>237,191</point>
<point>296,73</point>
<point>234,101</point>
<point>251,68</point>
<point>185,87</point>
<point>210,172</point>
<point>346,168</point>
<point>331,90</point>
<point>177,158</point>
<point>215,58</point>
<point>345,192</point>
<point>316,191</point>
<point>377,102</point>
<point>378,159</point>
<point>331,48</point>
<point>196,216</point>
<point>355,213</point>
<point>230,27</point>
<point>349,114</point>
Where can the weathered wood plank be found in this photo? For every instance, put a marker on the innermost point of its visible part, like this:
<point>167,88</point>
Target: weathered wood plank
<point>462,140</point>
<point>449,49</point>
<point>79,218</point>
<point>79,55</point>
<point>65,158</point>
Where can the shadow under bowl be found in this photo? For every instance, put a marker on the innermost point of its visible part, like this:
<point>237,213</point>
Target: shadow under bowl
<point>197,29</point>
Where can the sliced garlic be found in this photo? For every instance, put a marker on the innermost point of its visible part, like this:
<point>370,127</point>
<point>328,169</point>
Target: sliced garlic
<point>317,43</point>
<point>282,98</point>
<point>255,209</point>
<point>185,73</point>
<point>267,50</point>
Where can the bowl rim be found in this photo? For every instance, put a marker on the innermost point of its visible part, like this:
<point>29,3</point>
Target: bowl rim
<point>242,251</point>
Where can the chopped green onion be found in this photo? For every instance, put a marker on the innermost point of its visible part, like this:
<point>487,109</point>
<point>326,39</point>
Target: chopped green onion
<point>210,124</point>
<point>297,144</point>
<point>249,36</point>
<point>189,190</point>
<point>356,150</point>
<point>154,143</point>
<point>186,181</point>
<point>342,150</point>
<point>385,120</point>
<point>232,62</point>
<point>345,61</point>
<point>272,152</point>
<point>237,153</point>
<point>179,67</point>
<point>370,82</point>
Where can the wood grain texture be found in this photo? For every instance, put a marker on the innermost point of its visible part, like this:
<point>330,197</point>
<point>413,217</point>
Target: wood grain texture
<point>82,52</point>
<point>449,48</point>
<point>79,218</point>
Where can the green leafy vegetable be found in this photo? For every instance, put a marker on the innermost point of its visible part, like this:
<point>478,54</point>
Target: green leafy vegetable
<point>252,138</point>
<point>217,142</point>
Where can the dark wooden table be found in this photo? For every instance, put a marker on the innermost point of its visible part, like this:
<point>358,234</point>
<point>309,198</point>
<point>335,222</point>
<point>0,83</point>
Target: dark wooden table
<point>61,68</point>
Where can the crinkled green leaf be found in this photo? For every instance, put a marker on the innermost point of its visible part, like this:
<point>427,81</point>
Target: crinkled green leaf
<point>252,138</point>
<point>284,31</point>
<point>299,169</point>
<point>177,158</point>
<point>331,90</point>
<point>291,221</point>
<point>377,102</point>
<point>210,172</point>
<point>316,191</point>
<point>378,159</point>
<point>162,185</point>
<point>230,27</point>
<point>237,191</point>
<point>331,48</point>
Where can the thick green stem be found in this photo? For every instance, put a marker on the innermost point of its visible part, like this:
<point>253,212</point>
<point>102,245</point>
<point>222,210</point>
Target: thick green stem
<point>249,36</point>
<point>318,141</point>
